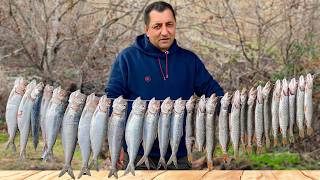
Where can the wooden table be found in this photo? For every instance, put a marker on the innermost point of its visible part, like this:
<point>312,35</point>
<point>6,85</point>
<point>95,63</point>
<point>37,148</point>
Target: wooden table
<point>176,175</point>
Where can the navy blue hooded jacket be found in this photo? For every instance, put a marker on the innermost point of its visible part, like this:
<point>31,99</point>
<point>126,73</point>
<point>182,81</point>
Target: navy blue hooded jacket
<point>143,70</point>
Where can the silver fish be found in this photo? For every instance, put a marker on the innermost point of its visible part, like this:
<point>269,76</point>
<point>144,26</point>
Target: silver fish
<point>176,130</point>
<point>300,106</point>
<point>292,103</point>
<point>98,128</point>
<point>275,111</point>
<point>133,133</point>
<point>47,94</point>
<point>235,123</point>
<point>12,110</point>
<point>69,133</point>
<point>200,131</point>
<point>53,119</point>
<point>164,129</point>
<point>243,123</point>
<point>258,119</point>
<point>116,128</point>
<point>223,125</point>
<point>35,120</point>
<point>150,127</point>
<point>83,131</point>
<point>266,112</point>
<point>23,117</point>
<point>190,106</point>
<point>308,109</point>
<point>210,128</point>
<point>250,118</point>
<point>284,111</point>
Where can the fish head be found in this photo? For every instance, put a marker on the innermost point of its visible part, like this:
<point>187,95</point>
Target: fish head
<point>309,81</point>
<point>77,99</point>
<point>92,101</point>
<point>167,105</point>
<point>266,89</point>
<point>104,103</point>
<point>293,86</point>
<point>211,103</point>
<point>243,96</point>
<point>37,90</point>
<point>119,105</point>
<point>252,96</point>
<point>259,95</point>
<point>154,106</point>
<point>301,83</point>
<point>139,105</point>
<point>31,86</point>
<point>48,90</point>
<point>285,88</point>
<point>236,99</point>
<point>20,85</point>
<point>179,105</point>
<point>202,104</point>
<point>190,103</point>
<point>225,101</point>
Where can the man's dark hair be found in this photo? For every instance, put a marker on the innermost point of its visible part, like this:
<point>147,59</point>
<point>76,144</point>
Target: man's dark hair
<point>159,6</point>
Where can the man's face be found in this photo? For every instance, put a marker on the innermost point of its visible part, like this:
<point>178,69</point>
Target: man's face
<point>161,29</point>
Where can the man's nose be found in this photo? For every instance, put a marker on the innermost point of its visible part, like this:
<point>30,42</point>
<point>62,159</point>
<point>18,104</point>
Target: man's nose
<point>164,31</point>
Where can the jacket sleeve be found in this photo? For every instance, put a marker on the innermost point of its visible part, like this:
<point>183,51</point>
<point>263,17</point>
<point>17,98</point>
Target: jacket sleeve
<point>204,82</point>
<point>117,84</point>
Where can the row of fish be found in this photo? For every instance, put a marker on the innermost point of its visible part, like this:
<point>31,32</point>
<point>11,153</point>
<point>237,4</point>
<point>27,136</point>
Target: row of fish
<point>86,120</point>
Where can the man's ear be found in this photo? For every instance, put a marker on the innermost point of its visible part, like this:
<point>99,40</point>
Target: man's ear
<point>146,29</point>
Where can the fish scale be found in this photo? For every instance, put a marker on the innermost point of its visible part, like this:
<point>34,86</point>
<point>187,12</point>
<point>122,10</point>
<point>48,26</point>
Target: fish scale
<point>200,131</point>
<point>243,123</point>
<point>116,128</point>
<point>292,102</point>
<point>275,111</point>
<point>266,112</point>
<point>235,123</point>
<point>308,109</point>
<point>190,106</point>
<point>300,104</point>
<point>284,111</point>
<point>258,120</point>
<point>223,125</point>
<point>250,121</point>
<point>210,129</point>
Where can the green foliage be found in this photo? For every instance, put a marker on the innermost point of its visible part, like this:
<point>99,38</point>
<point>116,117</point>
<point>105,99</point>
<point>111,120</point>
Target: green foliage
<point>278,160</point>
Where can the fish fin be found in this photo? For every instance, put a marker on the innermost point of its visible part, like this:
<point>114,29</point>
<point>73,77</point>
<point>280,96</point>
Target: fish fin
<point>130,168</point>
<point>145,160</point>
<point>268,143</point>
<point>10,144</point>
<point>301,133</point>
<point>94,163</point>
<point>67,169</point>
<point>210,165</point>
<point>173,159</point>
<point>162,162</point>
<point>113,172</point>
<point>284,140</point>
<point>310,131</point>
<point>84,171</point>
<point>190,158</point>
<point>48,156</point>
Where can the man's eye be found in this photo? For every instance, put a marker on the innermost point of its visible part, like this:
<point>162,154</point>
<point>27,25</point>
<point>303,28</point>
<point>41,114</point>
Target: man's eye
<point>156,27</point>
<point>170,24</point>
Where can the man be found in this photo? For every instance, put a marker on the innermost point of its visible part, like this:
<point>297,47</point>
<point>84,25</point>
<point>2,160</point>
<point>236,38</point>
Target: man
<point>155,66</point>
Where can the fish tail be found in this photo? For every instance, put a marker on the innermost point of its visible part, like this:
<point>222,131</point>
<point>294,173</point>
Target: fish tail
<point>11,144</point>
<point>48,155</point>
<point>236,154</point>
<point>162,162</point>
<point>301,133</point>
<point>173,159</point>
<point>225,158</point>
<point>130,168</point>
<point>113,172</point>
<point>44,149</point>
<point>145,160</point>
<point>68,169</point>
<point>190,157</point>
<point>275,141</point>
<point>310,131</point>
<point>84,171</point>
<point>249,149</point>
<point>22,155</point>
<point>210,165</point>
<point>94,163</point>
<point>259,150</point>
<point>243,147</point>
